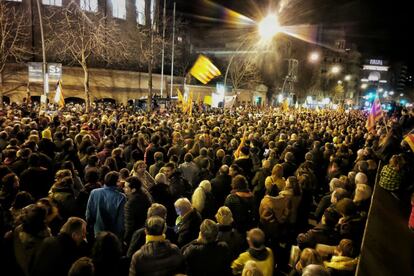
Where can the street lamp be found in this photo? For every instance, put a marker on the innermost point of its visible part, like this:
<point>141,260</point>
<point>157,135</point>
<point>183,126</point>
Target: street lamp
<point>269,27</point>
<point>348,77</point>
<point>364,86</point>
<point>44,64</point>
<point>314,57</point>
<point>335,69</point>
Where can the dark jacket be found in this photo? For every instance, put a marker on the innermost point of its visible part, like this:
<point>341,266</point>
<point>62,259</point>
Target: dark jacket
<point>161,194</point>
<point>258,184</point>
<point>234,240</point>
<point>321,233</point>
<point>241,204</point>
<point>158,258</point>
<point>187,229</point>
<point>65,201</point>
<point>207,258</point>
<point>246,164</point>
<point>37,181</point>
<point>179,187</point>
<point>135,212</point>
<point>138,239</point>
<point>19,166</point>
<point>221,187</point>
<point>55,256</point>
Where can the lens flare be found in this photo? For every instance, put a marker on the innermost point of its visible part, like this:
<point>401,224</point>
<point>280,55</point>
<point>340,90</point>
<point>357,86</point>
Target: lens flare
<point>269,26</point>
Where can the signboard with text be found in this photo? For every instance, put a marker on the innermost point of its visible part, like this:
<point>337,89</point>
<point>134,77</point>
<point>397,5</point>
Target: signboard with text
<point>36,74</point>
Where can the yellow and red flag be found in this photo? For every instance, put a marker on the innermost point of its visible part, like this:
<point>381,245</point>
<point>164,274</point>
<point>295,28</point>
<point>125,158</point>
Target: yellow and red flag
<point>285,105</point>
<point>59,99</point>
<point>410,140</point>
<point>374,115</point>
<point>204,70</point>
<point>242,142</point>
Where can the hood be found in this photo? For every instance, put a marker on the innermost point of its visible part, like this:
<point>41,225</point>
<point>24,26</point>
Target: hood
<point>259,254</point>
<point>29,240</point>
<point>342,263</point>
<point>243,193</point>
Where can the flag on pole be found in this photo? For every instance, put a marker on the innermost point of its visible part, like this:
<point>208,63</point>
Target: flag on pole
<point>59,99</point>
<point>204,70</point>
<point>190,104</point>
<point>374,115</point>
<point>285,105</point>
<point>410,140</point>
<point>180,96</point>
<point>243,141</point>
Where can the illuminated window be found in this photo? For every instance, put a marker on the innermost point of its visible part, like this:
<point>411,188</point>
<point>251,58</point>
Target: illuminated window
<point>119,9</point>
<point>52,2</point>
<point>89,5</point>
<point>140,6</point>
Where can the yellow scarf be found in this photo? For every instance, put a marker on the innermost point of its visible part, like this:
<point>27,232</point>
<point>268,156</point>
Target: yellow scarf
<point>151,238</point>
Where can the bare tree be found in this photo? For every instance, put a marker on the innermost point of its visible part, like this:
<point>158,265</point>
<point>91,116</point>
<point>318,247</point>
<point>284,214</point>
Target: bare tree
<point>13,38</point>
<point>77,37</point>
<point>244,72</point>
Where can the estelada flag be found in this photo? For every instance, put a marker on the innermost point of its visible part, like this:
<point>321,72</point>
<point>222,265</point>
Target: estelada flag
<point>374,115</point>
<point>410,140</point>
<point>59,99</point>
<point>204,70</point>
<point>180,96</point>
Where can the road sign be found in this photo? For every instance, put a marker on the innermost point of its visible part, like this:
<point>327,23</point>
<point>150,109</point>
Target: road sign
<point>36,74</point>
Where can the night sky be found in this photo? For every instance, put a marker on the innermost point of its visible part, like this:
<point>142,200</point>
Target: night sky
<point>381,29</point>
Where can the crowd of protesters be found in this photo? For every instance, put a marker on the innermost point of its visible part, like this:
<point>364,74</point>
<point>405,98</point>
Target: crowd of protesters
<point>116,192</point>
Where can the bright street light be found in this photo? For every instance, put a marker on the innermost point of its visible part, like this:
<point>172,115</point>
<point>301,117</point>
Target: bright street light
<point>314,57</point>
<point>391,92</point>
<point>335,69</point>
<point>269,26</point>
<point>339,82</point>
<point>348,77</point>
<point>402,94</point>
<point>364,86</point>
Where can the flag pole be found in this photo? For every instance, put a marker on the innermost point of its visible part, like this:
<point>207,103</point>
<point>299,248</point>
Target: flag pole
<point>383,113</point>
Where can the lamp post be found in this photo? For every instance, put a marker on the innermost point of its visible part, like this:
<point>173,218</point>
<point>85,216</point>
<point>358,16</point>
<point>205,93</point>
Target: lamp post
<point>268,28</point>
<point>44,65</point>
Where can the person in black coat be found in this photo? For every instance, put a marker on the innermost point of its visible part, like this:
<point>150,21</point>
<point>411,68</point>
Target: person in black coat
<point>22,161</point>
<point>324,232</point>
<point>160,193</point>
<point>158,257</point>
<point>221,185</point>
<point>179,187</point>
<point>56,254</point>
<point>188,222</point>
<point>245,163</point>
<point>206,255</point>
<point>138,238</point>
<point>36,180</point>
<point>136,206</point>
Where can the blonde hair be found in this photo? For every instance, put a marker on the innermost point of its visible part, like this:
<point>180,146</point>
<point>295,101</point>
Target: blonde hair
<point>251,269</point>
<point>224,216</point>
<point>362,192</point>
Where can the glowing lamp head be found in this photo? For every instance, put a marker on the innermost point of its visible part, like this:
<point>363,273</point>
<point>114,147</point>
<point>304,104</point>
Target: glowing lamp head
<point>335,69</point>
<point>269,26</point>
<point>314,57</point>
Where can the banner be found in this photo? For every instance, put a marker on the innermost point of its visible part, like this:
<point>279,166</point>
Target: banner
<point>229,101</point>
